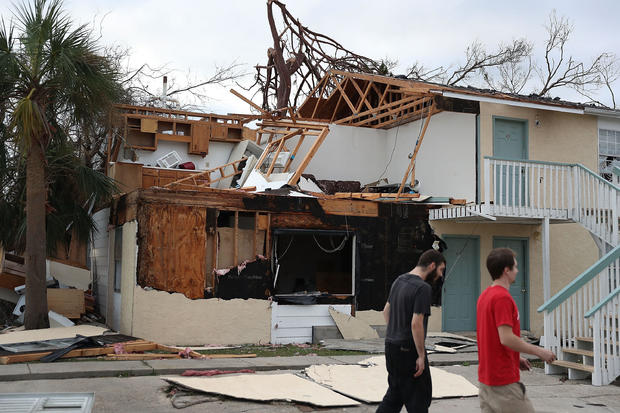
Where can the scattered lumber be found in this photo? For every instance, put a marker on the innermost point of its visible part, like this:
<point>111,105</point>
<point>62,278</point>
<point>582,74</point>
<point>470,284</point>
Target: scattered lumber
<point>229,356</point>
<point>109,352</point>
<point>372,195</point>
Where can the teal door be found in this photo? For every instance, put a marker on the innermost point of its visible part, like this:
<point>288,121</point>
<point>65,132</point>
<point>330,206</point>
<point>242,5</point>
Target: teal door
<point>510,142</point>
<point>462,283</point>
<point>519,290</point>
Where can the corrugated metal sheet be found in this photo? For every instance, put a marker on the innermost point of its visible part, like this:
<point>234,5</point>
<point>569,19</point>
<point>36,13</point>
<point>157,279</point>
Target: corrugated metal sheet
<point>47,402</point>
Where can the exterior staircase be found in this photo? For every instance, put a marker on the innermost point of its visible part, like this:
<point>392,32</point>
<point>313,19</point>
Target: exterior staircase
<point>581,321</point>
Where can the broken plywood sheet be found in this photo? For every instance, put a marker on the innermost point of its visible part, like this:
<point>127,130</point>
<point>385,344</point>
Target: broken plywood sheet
<point>266,387</point>
<point>371,317</point>
<point>50,334</point>
<point>70,275</point>
<point>352,328</point>
<point>367,381</point>
<point>450,335</point>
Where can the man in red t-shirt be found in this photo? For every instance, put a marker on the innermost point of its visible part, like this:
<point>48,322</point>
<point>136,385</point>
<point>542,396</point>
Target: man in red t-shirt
<point>499,341</point>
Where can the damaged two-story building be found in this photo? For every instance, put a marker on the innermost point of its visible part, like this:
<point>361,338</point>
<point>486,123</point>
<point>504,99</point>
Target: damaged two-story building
<point>329,206</point>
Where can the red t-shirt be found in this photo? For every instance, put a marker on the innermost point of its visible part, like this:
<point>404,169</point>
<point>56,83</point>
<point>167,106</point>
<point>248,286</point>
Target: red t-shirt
<point>497,364</point>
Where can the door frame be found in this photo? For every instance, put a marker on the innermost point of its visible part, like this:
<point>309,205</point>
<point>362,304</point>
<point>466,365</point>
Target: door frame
<point>476,238</point>
<point>524,271</point>
<point>526,137</point>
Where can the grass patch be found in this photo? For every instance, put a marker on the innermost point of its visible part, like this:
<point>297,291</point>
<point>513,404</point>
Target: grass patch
<point>283,351</point>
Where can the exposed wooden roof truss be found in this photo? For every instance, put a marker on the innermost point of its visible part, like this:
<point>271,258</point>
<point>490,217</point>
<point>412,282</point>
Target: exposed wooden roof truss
<point>281,137</point>
<point>371,101</point>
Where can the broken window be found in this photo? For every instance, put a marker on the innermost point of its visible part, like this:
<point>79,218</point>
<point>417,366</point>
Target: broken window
<point>313,262</point>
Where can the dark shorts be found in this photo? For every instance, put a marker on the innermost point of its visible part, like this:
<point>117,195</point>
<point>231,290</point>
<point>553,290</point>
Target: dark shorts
<point>414,393</point>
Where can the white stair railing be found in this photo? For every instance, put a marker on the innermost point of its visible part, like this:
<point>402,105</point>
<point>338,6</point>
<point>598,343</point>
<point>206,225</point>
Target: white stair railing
<point>606,338</point>
<point>536,189</point>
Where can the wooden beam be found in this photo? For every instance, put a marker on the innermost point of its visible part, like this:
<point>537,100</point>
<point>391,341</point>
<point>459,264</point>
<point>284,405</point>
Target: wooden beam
<point>344,95</point>
<point>275,158</point>
<point>387,106</point>
<point>415,152</point>
<point>315,147</point>
<point>404,105</point>
<point>236,239</point>
<point>362,96</point>
<point>249,102</point>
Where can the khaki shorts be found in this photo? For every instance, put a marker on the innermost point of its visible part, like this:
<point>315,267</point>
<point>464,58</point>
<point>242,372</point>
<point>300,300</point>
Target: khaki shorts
<point>504,399</point>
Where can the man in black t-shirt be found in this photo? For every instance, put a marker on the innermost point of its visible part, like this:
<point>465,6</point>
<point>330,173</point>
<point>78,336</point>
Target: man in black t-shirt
<point>406,314</point>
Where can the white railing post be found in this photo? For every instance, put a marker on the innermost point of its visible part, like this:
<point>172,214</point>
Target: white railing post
<point>487,181</point>
<point>597,376</point>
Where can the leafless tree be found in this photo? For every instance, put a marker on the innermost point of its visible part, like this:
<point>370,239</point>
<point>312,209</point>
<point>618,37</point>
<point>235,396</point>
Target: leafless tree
<point>300,57</point>
<point>560,69</point>
<point>511,76</point>
<point>478,60</point>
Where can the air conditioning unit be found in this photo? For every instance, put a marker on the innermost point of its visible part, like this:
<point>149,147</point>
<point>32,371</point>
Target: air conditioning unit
<point>169,160</point>
<point>280,161</point>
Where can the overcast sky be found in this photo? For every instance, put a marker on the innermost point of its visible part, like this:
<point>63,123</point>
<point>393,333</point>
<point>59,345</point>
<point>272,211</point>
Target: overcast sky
<point>197,35</point>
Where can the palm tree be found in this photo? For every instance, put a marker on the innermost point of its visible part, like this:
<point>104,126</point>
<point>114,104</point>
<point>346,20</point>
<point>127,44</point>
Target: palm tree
<point>49,71</point>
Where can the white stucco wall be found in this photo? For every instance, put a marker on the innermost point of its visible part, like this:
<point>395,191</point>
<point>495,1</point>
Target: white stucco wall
<point>347,153</point>
<point>172,318</point>
<point>446,162</point>
<point>128,276</point>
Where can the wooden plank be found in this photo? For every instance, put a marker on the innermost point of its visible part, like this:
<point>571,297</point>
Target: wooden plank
<point>229,356</point>
<point>415,152</point>
<point>249,102</point>
<point>315,147</point>
<point>145,356</point>
<point>349,207</point>
<point>236,239</point>
<point>11,281</point>
<point>139,345</point>
<point>66,301</point>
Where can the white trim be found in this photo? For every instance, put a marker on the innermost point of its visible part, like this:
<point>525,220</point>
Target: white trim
<point>602,112</point>
<point>512,102</point>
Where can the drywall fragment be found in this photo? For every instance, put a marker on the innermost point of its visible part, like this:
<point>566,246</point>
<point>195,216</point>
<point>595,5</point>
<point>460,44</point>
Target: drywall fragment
<point>367,381</point>
<point>50,334</point>
<point>266,387</point>
<point>59,320</point>
<point>450,335</point>
<point>308,185</point>
<point>351,328</point>
<point>274,181</point>
<point>70,275</point>
<point>371,317</point>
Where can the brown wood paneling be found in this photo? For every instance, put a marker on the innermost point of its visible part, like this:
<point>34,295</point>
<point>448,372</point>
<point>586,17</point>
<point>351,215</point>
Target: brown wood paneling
<point>66,301</point>
<point>172,248</point>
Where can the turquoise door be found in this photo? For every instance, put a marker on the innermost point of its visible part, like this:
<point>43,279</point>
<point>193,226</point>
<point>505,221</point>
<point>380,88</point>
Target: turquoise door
<point>510,142</point>
<point>462,283</point>
<point>519,290</point>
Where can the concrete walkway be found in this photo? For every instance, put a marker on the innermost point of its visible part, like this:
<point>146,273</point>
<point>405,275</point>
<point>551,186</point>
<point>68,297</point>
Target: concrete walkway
<point>88,369</point>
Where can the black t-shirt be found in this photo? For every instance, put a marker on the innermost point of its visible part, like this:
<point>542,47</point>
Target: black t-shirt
<point>409,294</point>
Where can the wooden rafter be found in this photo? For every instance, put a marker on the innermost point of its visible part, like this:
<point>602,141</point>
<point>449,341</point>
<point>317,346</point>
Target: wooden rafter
<point>366,100</point>
<point>287,131</point>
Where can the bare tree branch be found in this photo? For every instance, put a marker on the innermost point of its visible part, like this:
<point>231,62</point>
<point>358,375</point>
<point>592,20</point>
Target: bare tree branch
<point>300,58</point>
